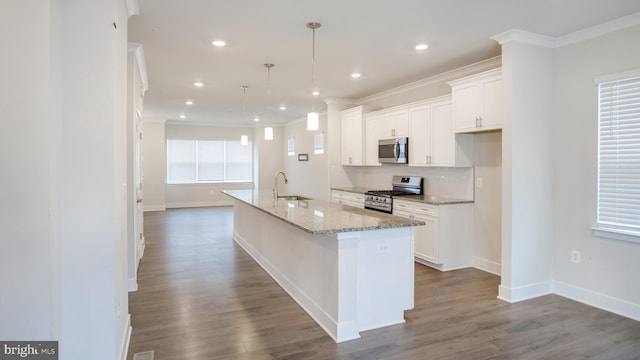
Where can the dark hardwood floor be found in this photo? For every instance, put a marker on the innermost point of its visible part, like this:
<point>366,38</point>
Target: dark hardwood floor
<point>202,297</point>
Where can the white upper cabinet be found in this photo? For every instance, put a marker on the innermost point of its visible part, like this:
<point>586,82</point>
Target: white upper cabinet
<point>384,124</point>
<point>432,141</point>
<point>392,123</point>
<point>352,139</point>
<point>420,129</point>
<point>373,131</point>
<point>478,102</point>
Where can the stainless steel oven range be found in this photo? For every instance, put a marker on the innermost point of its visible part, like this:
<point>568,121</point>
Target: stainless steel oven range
<point>382,200</point>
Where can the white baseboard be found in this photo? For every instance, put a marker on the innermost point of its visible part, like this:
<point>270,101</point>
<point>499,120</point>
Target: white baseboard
<point>598,300</point>
<point>146,208</point>
<point>199,204</point>
<point>133,284</point>
<point>126,338</point>
<point>526,292</point>
<point>338,332</point>
<point>487,265</point>
<point>428,263</point>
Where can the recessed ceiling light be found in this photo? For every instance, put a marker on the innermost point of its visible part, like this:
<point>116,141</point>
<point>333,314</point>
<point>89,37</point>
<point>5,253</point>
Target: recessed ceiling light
<point>219,43</point>
<point>256,119</point>
<point>355,75</point>
<point>189,102</point>
<point>182,116</point>
<point>283,107</point>
<point>422,47</point>
<point>315,92</point>
<point>198,84</point>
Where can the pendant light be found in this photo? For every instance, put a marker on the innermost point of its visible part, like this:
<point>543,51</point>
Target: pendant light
<point>268,131</point>
<point>244,139</point>
<point>313,121</point>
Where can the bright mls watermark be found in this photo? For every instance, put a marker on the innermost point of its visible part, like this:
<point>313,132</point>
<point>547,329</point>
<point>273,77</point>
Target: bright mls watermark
<point>29,350</point>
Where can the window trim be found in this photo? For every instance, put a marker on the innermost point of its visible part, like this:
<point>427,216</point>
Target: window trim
<point>621,233</point>
<point>616,234</point>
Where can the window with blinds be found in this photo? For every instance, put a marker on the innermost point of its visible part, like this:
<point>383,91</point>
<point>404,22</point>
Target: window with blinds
<point>204,161</point>
<point>619,156</point>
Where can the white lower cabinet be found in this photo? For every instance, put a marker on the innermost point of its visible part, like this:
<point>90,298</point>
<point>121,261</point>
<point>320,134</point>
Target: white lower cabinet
<point>347,198</point>
<point>445,241</point>
<point>426,245</point>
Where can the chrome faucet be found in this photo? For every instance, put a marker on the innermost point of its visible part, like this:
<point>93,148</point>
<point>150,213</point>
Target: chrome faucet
<point>275,183</point>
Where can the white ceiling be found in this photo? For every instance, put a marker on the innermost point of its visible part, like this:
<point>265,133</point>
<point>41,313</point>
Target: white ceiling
<point>374,37</point>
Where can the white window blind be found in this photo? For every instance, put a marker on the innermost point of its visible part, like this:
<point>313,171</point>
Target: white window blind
<point>205,161</point>
<point>619,155</point>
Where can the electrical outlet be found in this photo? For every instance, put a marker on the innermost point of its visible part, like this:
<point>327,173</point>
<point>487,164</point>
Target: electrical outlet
<point>479,182</point>
<point>575,256</point>
<point>382,248</point>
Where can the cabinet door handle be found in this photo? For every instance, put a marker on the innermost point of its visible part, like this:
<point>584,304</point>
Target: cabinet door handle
<point>480,118</point>
<point>477,122</point>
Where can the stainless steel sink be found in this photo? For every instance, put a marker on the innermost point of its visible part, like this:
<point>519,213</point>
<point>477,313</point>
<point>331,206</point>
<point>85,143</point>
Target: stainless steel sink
<point>293,197</point>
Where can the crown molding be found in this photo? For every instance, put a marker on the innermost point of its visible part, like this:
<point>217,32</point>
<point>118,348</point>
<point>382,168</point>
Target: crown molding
<point>622,23</point>
<point>444,77</point>
<point>208,124</point>
<point>133,7</point>
<point>521,36</point>
<point>340,101</point>
<point>153,120</point>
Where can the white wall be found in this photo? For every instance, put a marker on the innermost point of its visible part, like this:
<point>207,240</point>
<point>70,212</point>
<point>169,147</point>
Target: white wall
<point>27,195</point>
<point>487,242</point>
<point>609,268</point>
<point>309,178</point>
<point>64,217</point>
<point>91,173</point>
<point>153,166</point>
<point>268,157</point>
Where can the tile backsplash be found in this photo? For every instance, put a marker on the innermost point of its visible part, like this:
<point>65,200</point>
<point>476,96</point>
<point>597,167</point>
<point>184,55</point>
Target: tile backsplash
<point>444,181</point>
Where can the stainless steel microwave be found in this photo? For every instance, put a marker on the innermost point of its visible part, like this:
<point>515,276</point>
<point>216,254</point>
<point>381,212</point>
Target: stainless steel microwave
<point>393,151</point>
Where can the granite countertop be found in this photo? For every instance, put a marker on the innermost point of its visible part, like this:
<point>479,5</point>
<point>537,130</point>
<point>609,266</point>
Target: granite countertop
<point>319,216</point>
<point>432,199</point>
<point>356,189</point>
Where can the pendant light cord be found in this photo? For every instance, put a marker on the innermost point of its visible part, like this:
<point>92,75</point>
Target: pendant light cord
<point>313,26</point>
<point>313,61</point>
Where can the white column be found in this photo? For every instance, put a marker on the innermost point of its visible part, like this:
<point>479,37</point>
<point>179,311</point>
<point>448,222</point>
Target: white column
<point>527,206</point>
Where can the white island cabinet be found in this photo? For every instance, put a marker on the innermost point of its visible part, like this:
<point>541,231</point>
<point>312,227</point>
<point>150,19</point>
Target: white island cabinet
<point>350,269</point>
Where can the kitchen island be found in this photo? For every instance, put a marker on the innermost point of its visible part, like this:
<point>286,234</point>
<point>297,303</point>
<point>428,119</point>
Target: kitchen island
<point>350,269</point>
